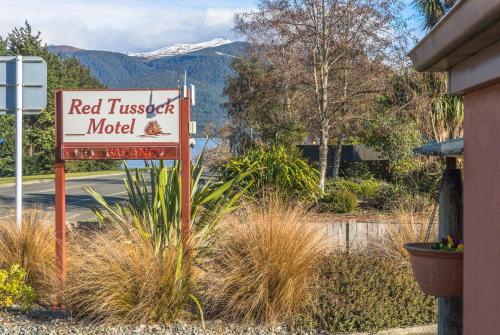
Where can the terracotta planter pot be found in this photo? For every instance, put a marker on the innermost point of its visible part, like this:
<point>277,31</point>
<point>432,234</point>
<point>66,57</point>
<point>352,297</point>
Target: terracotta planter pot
<point>439,273</point>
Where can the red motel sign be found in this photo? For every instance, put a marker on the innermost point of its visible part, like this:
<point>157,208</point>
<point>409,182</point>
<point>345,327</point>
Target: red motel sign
<point>121,124</point>
<point>118,124</point>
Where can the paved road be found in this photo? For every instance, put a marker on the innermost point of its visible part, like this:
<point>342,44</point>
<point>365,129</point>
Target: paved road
<point>78,202</point>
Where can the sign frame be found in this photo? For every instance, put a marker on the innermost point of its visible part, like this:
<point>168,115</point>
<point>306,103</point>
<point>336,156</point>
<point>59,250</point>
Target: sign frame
<point>171,150</point>
<point>25,73</point>
<point>12,89</point>
<point>176,151</point>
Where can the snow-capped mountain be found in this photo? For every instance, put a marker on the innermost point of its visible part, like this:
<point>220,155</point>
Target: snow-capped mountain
<point>179,49</point>
<point>209,71</point>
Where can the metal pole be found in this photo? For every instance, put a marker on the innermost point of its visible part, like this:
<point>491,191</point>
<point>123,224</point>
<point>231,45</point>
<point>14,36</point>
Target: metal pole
<point>19,140</point>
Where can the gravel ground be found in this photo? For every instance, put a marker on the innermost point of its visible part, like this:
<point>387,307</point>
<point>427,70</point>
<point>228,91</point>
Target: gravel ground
<point>41,321</point>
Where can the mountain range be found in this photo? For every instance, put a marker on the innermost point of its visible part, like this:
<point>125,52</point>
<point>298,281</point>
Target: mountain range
<point>208,66</point>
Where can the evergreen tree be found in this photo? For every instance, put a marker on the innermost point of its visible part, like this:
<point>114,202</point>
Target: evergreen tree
<point>38,143</point>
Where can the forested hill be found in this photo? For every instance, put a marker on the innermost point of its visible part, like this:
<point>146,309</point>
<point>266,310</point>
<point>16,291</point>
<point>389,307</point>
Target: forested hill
<point>208,69</point>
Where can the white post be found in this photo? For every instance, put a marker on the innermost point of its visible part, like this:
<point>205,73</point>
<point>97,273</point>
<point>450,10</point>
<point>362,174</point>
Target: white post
<point>19,140</point>
<point>185,84</point>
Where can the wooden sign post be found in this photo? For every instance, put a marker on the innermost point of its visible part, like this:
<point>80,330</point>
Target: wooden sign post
<point>127,124</point>
<point>451,223</point>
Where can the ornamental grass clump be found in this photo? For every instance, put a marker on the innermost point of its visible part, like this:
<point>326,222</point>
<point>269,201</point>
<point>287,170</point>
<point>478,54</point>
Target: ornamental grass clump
<point>264,263</point>
<point>118,277</point>
<point>32,248</point>
<point>410,227</point>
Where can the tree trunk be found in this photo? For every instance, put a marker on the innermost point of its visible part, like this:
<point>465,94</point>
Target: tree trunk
<point>336,160</point>
<point>323,158</point>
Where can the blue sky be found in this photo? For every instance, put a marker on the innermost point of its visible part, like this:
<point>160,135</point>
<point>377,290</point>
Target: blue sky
<point>128,25</point>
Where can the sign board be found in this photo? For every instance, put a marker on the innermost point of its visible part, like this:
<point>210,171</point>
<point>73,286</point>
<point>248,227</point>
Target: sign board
<point>34,83</point>
<point>118,124</point>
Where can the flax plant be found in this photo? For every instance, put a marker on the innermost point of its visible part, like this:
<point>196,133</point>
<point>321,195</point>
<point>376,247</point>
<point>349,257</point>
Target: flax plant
<point>154,208</point>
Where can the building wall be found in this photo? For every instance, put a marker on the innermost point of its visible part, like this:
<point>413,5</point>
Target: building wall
<point>351,154</point>
<point>482,212</point>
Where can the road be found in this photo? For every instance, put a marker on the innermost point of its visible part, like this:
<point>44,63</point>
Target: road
<point>78,202</point>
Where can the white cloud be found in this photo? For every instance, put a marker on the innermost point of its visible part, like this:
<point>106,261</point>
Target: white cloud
<point>126,25</point>
<point>219,17</point>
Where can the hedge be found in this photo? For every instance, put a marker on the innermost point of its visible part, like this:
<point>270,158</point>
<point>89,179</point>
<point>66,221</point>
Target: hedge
<point>366,293</point>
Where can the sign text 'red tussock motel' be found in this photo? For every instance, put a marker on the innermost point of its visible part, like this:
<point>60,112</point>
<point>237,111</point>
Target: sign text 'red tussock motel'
<point>115,124</point>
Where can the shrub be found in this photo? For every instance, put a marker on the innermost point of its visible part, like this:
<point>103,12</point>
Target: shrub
<point>426,178</point>
<point>264,264</point>
<point>401,168</point>
<point>13,288</point>
<point>367,293</point>
<point>395,197</point>
<point>369,188</point>
<point>338,201</point>
<point>423,177</point>
<point>358,170</point>
<point>340,184</point>
<point>274,168</point>
<point>137,271</point>
<point>118,277</point>
<point>388,195</point>
<point>32,248</point>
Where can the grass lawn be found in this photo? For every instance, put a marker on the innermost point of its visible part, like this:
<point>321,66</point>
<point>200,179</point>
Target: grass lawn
<point>8,180</point>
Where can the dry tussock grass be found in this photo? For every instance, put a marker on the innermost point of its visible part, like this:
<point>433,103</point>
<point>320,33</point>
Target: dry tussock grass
<point>32,247</point>
<point>117,278</point>
<point>410,226</point>
<point>265,263</point>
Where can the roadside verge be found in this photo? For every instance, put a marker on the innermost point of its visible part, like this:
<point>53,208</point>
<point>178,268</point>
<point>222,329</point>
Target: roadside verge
<point>10,181</point>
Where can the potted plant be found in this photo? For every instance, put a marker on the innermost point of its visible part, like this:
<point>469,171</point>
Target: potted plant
<point>438,267</point>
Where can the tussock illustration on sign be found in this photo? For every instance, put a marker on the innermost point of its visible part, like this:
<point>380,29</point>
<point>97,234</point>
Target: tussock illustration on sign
<point>153,129</point>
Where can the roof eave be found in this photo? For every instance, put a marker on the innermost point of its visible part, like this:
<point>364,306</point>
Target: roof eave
<point>451,40</point>
<point>451,148</point>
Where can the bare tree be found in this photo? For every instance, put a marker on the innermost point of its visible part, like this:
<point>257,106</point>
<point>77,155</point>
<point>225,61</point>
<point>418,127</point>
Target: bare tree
<point>263,99</point>
<point>336,41</point>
